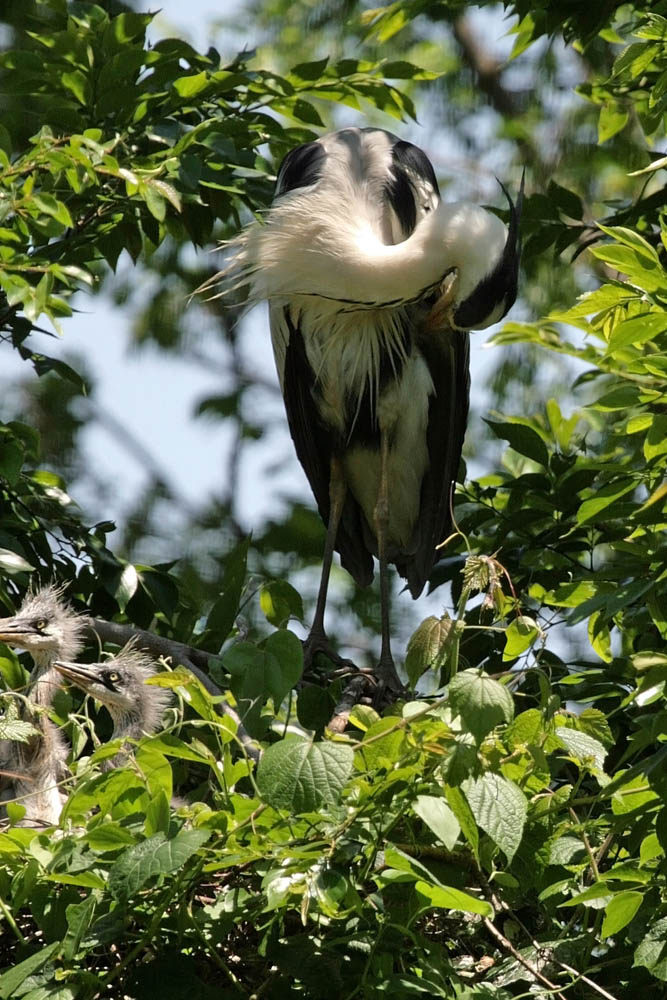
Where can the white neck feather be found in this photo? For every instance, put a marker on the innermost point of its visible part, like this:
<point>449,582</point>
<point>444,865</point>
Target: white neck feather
<point>310,247</point>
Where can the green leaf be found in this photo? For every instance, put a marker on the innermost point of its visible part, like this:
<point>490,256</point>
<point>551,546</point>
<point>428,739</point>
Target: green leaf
<point>12,562</point>
<point>428,646</point>
<point>619,911</point>
<point>637,330</point>
<point>499,807</point>
<point>590,510</point>
<point>280,601</point>
<point>520,635</point>
<point>459,806</point>
<point>439,818</point>
<point>11,980</point>
<point>283,663</point>
<point>77,83</point>
<point>301,776</point>
<point>447,898</point>
<point>154,856</point>
<point>17,729</point>
<point>223,614</point>
<point>523,439</point>
<point>188,86</point>
<point>109,837</point>
<point>584,749</point>
<point>611,121</point>
<point>650,952</point>
<point>655,443</point>
<point>481,702</point>
<point>599,636</point>
<point>127,586</point>
<point>383,744</point>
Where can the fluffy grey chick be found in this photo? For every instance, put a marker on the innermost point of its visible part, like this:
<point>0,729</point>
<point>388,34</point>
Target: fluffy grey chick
<point>135,707</point>
<point>47,628</point>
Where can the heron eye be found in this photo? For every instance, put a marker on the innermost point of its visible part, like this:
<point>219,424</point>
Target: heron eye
<point>113,676</point>
<point>41,624</point>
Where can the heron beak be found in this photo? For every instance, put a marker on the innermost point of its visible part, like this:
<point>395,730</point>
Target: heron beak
<point>14,630</point>
<point>439,316</point>
<point>76,673</point>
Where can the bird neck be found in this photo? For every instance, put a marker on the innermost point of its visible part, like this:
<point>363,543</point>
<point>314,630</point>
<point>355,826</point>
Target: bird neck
<point>298,252</point>
<point>127,726</point>
<point>44,682</point>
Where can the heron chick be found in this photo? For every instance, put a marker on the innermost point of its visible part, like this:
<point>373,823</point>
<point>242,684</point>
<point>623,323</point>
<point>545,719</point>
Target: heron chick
<point>373,283</point>
<point>47,628</point>
<point>136,708</point>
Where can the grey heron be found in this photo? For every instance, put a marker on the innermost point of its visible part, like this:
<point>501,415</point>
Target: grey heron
<point>118,683</point>
<point>46,627</point>
<point>373,283</point>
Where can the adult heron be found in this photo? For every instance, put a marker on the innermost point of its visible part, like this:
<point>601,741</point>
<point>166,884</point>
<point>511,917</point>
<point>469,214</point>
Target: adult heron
<point>46,627</point>
<point>373,283</point>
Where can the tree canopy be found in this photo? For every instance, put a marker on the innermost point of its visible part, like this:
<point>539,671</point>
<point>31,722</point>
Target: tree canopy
<point>503,831</point>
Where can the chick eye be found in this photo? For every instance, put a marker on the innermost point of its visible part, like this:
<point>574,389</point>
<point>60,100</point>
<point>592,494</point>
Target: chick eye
<point>113,676</point>
<point>41,624</point>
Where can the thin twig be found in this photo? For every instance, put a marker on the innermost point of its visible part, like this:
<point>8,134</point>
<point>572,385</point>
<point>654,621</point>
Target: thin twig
<point>508,946</point>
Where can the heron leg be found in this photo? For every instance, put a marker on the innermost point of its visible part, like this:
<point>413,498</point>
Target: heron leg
<point>317,641</point>
<point>385,669</point>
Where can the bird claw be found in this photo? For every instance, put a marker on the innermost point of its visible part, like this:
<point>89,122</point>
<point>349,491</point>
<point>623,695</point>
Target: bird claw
<point>318,642</point>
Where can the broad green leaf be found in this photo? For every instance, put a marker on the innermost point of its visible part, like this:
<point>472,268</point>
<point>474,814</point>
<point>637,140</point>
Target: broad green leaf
<point>382,744</point>
<point>88,880</point>
<point>637,330</point>
<point>447,898</point>
<point>523,439</point>
<point>11,980</point>
<point>223,613</point>
<point>12,562</point>
<point>584,749</point>
<point>481,702</point>
<point>655,443</point>
<point>428,646</point>
<point>590,510</point>
<point>599,636</point>
<point>188,86</point>
<point>109,837</point>
<point>301,776</point>
<point>439,818</point>
<point>127,586</point>
<point>499,807</point>
<point>595,897</point>
<point>520,635</point>
<point>611,121</point>
<point>619,911</point>
<point>459,806</point>
<point>650,952</point>
<point>284,663</point>
<point>17,729</point>
<point>79,918</point>
<point>280,601</point>
<point>155,856</point>
<point>571,595</point>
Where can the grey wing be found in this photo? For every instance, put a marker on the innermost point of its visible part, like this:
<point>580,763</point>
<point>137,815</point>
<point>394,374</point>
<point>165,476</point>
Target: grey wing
<point>447,354</point>
<point>313,440</point>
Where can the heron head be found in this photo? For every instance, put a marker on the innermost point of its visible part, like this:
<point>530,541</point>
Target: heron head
<point>119,685</point>
<point>489,270</point>
<point>45,625</point>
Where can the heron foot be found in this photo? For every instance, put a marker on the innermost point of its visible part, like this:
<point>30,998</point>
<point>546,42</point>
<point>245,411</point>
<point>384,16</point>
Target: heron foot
<point>318,642</point>
<point>390,686</point>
